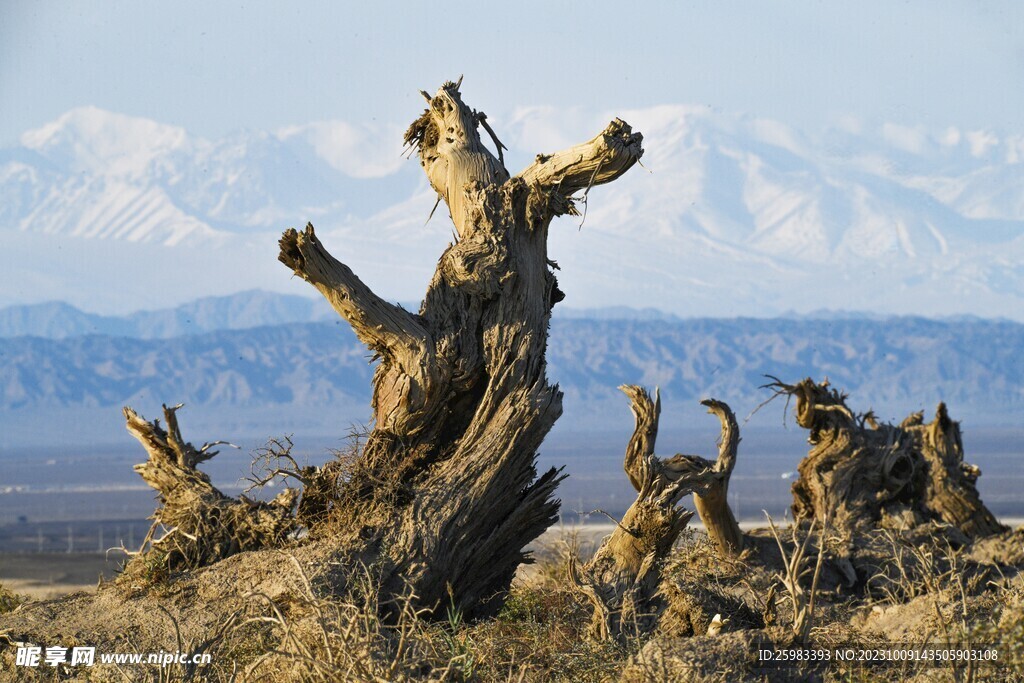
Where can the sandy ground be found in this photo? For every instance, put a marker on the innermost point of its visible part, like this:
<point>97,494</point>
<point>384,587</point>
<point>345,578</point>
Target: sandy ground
<point>41,576</point>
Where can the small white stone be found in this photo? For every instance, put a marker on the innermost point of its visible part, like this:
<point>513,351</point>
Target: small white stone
<point>715,627</point>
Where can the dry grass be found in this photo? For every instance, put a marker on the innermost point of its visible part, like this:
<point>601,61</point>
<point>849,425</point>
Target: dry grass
<point>541,633</point>
<point>930,594</point>
<point>8,599</point>
<point>538,635</point>
<point>800,598</point>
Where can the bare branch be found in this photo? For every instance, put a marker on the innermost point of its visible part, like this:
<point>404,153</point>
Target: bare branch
<point>600,160</point>
<point>730,439</point>
<point>380,325</point>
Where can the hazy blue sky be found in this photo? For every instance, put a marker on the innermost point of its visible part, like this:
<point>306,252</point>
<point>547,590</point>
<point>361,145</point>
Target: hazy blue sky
<point>215,67</point>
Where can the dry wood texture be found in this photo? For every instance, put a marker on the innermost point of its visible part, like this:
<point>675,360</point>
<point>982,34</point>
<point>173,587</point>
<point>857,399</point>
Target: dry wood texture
<point>200,525</point>
<point>622,580</point>
<point>447,485</point>
<point>859,469</point>
<point>712,502</point>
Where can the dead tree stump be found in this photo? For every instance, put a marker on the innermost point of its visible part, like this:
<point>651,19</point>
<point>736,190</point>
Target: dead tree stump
<point>859,469</point>
<point>446,487</point>
<point>200,524</point>
<point>622,580</point>
<point>444,496</point>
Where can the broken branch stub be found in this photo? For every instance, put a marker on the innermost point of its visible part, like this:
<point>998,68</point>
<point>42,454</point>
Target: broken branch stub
<point>447,482</point>
<point>601,159</point>
<point>712,502</point>
<point>950,487</point>
<point>201,524</point>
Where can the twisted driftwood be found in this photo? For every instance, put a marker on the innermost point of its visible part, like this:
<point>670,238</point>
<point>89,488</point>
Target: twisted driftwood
<point>623,578</point>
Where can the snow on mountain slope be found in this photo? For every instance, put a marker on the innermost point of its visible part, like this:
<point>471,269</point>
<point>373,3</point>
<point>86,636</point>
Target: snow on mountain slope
<point>91,140</point>
<point>94,173</point>
<point>758,186</point>
<point>729,215</point>
<point>737,215</point>
<point>108,207</point>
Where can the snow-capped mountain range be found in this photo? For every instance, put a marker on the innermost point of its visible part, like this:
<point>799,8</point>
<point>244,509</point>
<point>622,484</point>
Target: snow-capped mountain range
<point>730,215</point>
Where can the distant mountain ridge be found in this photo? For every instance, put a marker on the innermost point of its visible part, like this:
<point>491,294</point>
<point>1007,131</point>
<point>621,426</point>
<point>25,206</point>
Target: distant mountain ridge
<point>258,308</point>
<point>252,308</point>
<point>894,365</point>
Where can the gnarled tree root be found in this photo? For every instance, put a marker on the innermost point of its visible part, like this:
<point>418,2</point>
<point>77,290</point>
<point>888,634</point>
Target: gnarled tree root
<point>200,524</point>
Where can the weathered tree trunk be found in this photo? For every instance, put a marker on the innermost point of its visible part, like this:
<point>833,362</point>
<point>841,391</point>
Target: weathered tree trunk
<point>201,524</point>
<point>461,402</point>
<point>622,579</point>
<point>859,470</point>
